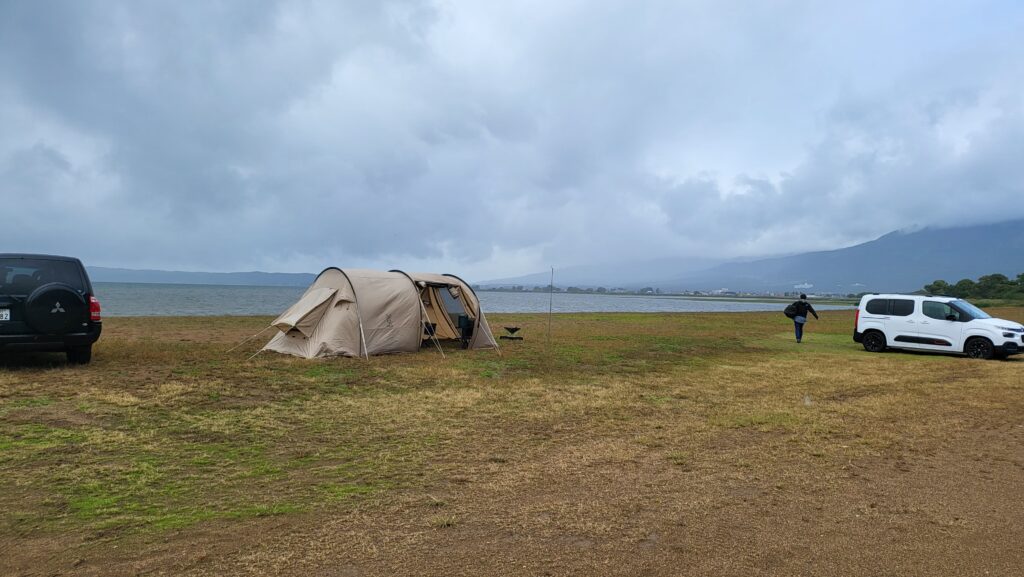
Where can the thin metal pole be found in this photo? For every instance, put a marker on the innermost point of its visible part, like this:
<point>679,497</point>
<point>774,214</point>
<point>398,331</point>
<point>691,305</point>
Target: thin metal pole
<point>551,303</point>
<point>433,335</point>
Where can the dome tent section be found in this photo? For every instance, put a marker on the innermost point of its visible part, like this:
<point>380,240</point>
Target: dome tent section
<point>357,313</point>
<point>452,309</point>
<point>370,312</point>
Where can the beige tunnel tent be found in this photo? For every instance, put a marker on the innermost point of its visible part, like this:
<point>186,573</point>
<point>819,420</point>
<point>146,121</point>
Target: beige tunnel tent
<point>356,313</point>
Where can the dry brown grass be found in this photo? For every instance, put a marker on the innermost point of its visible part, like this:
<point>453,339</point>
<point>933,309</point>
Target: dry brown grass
<point>634,444</point>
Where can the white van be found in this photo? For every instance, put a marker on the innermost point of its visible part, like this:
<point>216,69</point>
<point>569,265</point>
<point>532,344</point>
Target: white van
<point>928,323</point>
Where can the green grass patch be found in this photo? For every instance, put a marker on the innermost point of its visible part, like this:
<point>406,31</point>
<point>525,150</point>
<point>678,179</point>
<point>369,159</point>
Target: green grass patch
<point>23,440</point>
<point>29,402</point>
<point>165,432</point>
<point>348,491</point>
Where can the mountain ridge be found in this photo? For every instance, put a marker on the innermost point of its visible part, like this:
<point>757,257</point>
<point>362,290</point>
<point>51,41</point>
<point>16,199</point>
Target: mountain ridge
<point>895,262</point>
<point>898,261</point>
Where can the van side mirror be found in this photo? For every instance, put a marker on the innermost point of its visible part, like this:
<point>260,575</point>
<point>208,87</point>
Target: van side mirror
<point>950,317</point>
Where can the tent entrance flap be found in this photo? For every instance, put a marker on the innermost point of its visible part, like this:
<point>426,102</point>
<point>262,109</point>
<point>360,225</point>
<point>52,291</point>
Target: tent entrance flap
<point>450,316</point>
<point>437,314</point>
<point>304,315</point>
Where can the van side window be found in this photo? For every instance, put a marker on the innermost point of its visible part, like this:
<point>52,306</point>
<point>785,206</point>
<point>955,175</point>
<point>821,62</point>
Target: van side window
<point>878,306</point>
<point>937,310</point>
<point>902,308</point>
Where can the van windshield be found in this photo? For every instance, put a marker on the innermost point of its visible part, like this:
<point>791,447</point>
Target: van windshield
<point>970,309</point>
<point>21,276</point>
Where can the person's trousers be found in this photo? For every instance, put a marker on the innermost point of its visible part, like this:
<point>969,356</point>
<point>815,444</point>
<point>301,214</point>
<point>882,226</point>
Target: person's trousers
<point>798,326</point>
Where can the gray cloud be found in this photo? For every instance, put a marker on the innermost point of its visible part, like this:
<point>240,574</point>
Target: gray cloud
<point>495,140</point>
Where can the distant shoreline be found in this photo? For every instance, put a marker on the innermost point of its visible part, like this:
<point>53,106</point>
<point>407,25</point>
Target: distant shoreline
<point>177,299</point>
<point>683,296</point>
<point>676,296</point>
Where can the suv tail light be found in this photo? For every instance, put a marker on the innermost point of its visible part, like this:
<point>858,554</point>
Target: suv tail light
<point>94,309</point>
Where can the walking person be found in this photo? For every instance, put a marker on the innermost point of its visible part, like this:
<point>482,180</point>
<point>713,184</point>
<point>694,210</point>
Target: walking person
<point>801,308</point>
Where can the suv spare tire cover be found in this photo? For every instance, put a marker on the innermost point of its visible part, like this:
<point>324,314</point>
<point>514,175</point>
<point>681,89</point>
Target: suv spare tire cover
<point>55,309</point>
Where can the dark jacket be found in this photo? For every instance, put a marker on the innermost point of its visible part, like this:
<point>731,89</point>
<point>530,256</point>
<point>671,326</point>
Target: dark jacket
<point>804,307</point>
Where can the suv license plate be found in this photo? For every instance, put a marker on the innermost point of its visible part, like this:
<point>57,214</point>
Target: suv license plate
<point>5,314</point>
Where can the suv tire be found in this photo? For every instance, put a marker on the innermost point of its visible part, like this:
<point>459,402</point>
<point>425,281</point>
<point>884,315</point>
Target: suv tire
<point>55,309</point>
<point>874,342</point>
<point>80,355</point>
<point>979,348</point>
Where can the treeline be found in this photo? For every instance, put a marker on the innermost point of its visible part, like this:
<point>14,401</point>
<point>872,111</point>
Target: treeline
<point>992,286</point>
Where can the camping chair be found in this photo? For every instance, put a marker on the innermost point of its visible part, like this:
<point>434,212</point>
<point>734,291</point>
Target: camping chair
<point>465,330</point>
<point>429,330</point>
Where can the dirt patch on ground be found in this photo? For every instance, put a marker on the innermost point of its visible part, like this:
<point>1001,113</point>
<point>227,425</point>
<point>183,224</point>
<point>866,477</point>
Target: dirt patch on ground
<point>605,507</point>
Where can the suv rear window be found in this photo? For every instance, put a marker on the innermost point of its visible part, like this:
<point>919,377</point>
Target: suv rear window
<point>902,308</point>
<point>878,306</point>
<point>894,307</point>
<point>21,276</point>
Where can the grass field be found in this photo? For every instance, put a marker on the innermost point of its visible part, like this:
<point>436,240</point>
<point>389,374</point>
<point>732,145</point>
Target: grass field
<point>685,444</point>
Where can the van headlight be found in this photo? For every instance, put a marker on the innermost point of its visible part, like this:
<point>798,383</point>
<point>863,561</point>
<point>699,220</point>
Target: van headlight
<point>1012,329</point>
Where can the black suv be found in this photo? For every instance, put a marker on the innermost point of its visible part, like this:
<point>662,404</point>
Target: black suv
<point>47,304</point>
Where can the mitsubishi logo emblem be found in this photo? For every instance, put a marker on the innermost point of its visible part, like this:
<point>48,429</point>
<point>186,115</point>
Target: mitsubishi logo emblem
<point>57,308</point>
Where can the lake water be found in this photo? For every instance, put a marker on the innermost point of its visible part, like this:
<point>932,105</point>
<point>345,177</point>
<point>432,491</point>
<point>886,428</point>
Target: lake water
<point>136,299</point>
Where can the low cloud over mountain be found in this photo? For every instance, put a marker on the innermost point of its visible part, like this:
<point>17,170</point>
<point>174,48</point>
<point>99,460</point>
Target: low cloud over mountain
<point>498,139</point>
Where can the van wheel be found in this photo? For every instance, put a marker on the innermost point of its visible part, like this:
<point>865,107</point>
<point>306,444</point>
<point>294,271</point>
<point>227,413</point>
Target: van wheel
<point>80,355</point>
<point>979,348</point>
<point>874,342</point>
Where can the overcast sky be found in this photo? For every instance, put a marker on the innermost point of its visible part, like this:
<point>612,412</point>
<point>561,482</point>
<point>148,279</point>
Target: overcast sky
<point>497,138</point>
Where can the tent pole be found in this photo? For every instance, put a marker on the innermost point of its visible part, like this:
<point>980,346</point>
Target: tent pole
<point>423,309</point>
<point>247,339</point>
<point>551,303</point>
<point>362,337</point>
<point>426,317</point>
